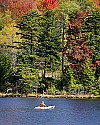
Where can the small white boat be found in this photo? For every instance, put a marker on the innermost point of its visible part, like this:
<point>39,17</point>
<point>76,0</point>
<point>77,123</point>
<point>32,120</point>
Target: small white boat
<point>47,107</point>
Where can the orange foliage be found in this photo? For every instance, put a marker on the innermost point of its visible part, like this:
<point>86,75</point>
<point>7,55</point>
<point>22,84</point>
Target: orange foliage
<point>44,5</point>
<point>51,4</point>
<point>41,8</point>
<point>96,3</point>
<point>19,8</point>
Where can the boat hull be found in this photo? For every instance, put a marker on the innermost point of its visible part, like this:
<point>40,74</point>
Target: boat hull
<point>47,107</point>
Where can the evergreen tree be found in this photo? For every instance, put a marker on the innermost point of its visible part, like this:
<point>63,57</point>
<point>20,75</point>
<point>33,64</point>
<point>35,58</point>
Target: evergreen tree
<point>92,29</point>
<point>49,42</point>
<point>41,42</point>
<point>88,78</point>
<point>5,70</point>
<point>67,81</point>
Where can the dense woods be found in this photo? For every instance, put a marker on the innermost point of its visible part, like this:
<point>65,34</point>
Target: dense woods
<point>50,45</point>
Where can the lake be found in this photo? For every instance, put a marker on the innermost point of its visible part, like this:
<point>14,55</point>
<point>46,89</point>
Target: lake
<point>20,111</point>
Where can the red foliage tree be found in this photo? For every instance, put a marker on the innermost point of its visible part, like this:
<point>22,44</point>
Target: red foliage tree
<point>44,5</point>
<point>51,4</point>
<point>19,8</point>
<point>1,1</point>
<point>77,52</point>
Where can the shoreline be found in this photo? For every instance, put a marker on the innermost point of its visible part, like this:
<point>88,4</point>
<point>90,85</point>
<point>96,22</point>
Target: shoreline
<point>69,96</point>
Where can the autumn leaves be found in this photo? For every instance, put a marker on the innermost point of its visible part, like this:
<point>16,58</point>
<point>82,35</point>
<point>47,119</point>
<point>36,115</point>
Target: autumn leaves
<point>19,8</point>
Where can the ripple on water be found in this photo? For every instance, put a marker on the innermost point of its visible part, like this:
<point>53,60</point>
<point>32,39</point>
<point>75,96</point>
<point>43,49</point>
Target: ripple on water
<point>20,111</point>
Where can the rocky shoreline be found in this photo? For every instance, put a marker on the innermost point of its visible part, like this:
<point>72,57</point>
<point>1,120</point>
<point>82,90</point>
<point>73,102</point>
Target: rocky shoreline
<point>70,96</point>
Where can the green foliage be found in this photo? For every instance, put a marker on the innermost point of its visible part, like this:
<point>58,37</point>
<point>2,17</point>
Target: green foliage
<point>53,90</point>
<point>40,48</point>
<point>29,76</point>
<point>92,29</point>
<point>29,26</point>
<point>5,69</point>
<point>67,81</point>
<point>96,88</point>
<point>42,40</point>
<point>1,22</point>
<point>88,78</point>
<point>49,41</point>
<point>66,9</point>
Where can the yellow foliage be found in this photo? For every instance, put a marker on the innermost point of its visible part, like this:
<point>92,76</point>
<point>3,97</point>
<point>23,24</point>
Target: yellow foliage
<point>6,34</point>
<point>8,30</point>
<point>41,8</point>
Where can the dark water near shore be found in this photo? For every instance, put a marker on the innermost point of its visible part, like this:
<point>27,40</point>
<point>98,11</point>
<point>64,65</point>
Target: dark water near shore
<point>20,111</point>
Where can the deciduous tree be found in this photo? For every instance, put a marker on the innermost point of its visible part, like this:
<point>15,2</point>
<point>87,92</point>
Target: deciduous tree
<point>76,50</point>
<point>19,8</point>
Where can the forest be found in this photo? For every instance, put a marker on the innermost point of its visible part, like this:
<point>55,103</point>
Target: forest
<point>50,46</point>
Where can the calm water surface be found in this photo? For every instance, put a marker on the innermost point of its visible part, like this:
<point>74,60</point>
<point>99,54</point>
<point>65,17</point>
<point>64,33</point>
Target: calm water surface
<point>20,111</point>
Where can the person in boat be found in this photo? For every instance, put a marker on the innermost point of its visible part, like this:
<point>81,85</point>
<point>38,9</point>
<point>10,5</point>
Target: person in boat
<point>42,104</point>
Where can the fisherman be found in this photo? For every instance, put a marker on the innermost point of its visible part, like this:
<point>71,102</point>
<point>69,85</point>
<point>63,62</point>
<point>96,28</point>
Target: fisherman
<point>42,104</point>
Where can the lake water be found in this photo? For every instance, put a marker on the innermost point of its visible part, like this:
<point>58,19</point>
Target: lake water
<point>20,111</point>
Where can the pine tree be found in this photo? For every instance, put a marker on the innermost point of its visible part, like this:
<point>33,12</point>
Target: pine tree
<point>49,42</point>
<point>88,78</point>
<point>5,69</point>
<point>41,42</point>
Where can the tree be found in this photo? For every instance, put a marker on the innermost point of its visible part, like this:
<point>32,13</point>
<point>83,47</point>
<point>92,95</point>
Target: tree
<point>92,29</point>
<point>78,53</point>
<point>29,79</point>
<point>5,70</point>
<point>88,78</point>
<point>30,30</point>
<point>19,8</point>
<point>49,40</point>
<point>76,50</point>
<point>41,42</point>
<point>1,22</point>
<point>67,81</point>
<point>44,5</point>
<point>63,12</point>
<point>7,28</point>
